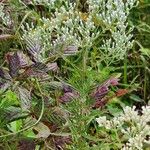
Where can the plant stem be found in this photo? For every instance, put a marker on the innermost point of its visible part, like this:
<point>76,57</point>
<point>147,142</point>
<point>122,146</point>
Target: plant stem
<point>125,70</point>
<point>145,84</point>
<point>85,58</point>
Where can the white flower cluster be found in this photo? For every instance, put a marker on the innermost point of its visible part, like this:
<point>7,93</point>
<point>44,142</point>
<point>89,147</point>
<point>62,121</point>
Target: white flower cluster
<point>133,125</point>
<point>64,21</point>
<point>67,26</point>
<point>72,29</point>
<point>6,20</point>
<point>49,3</point>
<point>113,14</point>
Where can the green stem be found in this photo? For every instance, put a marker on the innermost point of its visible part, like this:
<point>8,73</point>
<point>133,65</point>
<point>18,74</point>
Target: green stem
<point>85,58</point>
<point>125,70</point>
<point>145,84</point>
<point>128,67</point>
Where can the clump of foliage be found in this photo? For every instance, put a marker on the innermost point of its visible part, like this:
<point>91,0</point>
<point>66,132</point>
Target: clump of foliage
<point>66,63</point>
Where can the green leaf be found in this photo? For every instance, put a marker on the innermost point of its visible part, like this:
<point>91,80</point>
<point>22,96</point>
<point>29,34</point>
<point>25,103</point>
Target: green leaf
<point>15,125</point>
<point>25,98</point>
<point>116,75</point>
<point>136,98</point>
<point>13,113</point>
<point>145,51</point>
<point>114,109</point>
<point>29,133</point>
<point>10,98</point>
<point>42,131</point>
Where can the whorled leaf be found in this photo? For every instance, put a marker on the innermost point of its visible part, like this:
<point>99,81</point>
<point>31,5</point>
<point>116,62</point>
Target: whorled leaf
<point>61,113</point>
<point>122,92</point>
<point>67,88</point>
<point>100,103</point>
<point>100,92</point>
<point>113,81</point>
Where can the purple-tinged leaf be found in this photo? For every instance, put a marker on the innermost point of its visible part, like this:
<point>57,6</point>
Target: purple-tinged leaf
<point>13,113</point>
<point>16,61</point>
<point>26,144</point>
<point>52,67</point>
<point>100,103</point>
<point>71,50</point>
<point>40,69</point>
<point>36,70</point>
<point>67,88</point>
<point>14,64</point>
<point>34,48</point>
<point>5,36</point>
<point>56,85</point>
<point>23,59</point>
<point>2,73</point>
<point>30,72</point>
<point>25,98</point>
<point>121,92</point>
<point>4,86</point>
<point>68,96</point>
<point>114,81</point>
<point>102,90</point>
<point>60,142</point>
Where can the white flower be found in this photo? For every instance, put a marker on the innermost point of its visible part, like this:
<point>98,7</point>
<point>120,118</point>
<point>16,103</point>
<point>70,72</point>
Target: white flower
<point>6,20</point>
<point>130,114</point>
<point>66,27</point>
<point>136,142</point>
<point>114,14</point>
<point>103,122</point>
<point>134,126</point>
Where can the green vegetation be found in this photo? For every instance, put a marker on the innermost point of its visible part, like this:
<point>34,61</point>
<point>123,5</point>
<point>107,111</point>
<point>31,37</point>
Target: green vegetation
<point>74,75</point>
